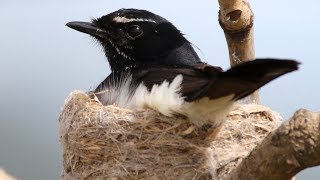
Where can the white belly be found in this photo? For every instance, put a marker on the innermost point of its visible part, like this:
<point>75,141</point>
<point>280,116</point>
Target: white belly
<point>208,111</point>
<point>167,100</point>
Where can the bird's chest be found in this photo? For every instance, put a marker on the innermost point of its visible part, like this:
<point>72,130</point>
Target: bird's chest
<point>167,99</point>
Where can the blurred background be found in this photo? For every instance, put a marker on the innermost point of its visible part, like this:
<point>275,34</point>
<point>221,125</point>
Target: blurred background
<point>42,61</point>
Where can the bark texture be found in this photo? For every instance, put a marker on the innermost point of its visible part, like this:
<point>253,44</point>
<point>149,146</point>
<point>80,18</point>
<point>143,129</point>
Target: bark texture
<point>102,142</point>
<point>236,20</point>
<point>294,146</point>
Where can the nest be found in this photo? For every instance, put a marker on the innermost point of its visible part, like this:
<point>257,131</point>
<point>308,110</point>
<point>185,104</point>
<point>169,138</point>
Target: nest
<point>102,142</point>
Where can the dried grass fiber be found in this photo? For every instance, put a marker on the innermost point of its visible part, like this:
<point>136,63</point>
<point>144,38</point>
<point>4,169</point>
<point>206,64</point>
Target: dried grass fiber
<point>107,142</point>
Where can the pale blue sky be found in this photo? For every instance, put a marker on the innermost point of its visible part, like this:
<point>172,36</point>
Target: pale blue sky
<point>41,61</point>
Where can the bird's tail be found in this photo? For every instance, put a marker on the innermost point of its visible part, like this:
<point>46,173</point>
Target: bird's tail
<point>244,79</point>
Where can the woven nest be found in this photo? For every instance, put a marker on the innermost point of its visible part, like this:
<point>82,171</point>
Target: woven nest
<point>102,142</point>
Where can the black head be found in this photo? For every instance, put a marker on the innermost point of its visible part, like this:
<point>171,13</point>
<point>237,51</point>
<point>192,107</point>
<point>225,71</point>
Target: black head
<point>132,37</point>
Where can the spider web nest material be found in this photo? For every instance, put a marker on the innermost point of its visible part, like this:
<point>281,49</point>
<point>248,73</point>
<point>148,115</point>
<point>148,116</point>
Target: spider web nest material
<point>107,141</point>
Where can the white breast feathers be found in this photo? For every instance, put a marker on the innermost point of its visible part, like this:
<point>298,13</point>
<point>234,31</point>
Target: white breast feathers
<point>167,99</point>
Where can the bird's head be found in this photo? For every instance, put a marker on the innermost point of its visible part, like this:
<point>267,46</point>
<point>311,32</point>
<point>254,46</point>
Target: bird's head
<point>132,37</point>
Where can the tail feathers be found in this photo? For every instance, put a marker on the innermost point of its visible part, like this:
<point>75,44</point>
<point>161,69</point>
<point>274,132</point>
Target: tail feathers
<point>244,79</point>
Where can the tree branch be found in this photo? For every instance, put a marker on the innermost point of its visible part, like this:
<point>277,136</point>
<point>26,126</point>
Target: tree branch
<point>294,146</point>
<point>107,141</point>
<point>236,20</point>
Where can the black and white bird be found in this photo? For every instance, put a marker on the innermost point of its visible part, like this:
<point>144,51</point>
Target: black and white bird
<point>153,65</point>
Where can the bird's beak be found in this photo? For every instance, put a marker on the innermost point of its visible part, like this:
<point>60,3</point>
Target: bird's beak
<point>88,28</point>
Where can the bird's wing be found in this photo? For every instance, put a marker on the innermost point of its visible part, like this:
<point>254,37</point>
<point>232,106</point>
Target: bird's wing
<point>204,80</point>
<point>244,79</point>
<point>194,79</point>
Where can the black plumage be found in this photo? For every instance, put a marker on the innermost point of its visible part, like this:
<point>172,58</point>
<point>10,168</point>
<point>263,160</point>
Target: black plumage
<point>203,80</point>
<point>145,49</point>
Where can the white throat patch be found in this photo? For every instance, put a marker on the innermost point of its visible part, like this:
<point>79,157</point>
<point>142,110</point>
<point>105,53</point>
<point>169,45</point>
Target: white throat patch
<point>119,19</point>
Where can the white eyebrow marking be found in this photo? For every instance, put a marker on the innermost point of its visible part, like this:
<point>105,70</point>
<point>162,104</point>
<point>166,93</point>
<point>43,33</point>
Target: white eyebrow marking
<point>123,19</point>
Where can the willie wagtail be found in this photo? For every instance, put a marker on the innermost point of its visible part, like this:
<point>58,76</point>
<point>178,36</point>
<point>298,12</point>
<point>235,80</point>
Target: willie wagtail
<point>153,65</point>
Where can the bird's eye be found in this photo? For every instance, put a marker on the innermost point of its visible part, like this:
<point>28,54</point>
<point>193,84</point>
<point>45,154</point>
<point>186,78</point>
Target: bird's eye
<point>135,31</point>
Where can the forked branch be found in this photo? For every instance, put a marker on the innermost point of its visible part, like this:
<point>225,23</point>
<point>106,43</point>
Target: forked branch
<point>236,20</point>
